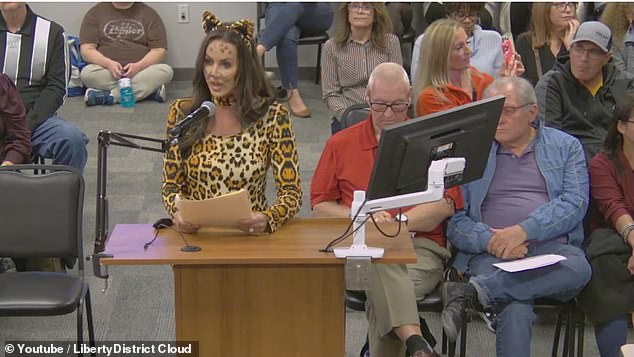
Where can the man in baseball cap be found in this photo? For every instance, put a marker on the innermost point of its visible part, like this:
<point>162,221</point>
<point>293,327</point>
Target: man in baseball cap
<point>579,95</point>
<point>596,33</point>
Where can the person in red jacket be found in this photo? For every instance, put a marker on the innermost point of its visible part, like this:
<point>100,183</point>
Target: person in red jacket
<point>608,299</point>
<point>15,136</point>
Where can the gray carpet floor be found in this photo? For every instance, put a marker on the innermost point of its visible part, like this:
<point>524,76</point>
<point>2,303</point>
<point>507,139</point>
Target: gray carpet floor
<point>138,304</point>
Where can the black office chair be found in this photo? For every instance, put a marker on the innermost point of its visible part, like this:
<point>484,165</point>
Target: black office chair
<point>38,160</point>
<point>567,312</point>
<point>354,114</point>
<point>313,39</point>
<point>409,37</point>
<point>56,198</point>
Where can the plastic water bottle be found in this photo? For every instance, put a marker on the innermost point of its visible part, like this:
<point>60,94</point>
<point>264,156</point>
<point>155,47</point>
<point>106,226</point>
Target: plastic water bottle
<point>126,95</point>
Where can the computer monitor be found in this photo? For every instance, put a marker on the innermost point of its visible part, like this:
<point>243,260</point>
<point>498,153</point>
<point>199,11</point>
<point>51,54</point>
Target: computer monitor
<point>407,149</point>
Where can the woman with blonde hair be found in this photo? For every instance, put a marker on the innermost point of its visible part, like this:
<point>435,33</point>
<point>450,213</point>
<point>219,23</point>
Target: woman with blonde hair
<point>486,45</point>
<point>362,41</point>
<point>619,17</point>
<point>446,78</point>
<point>553,25</point>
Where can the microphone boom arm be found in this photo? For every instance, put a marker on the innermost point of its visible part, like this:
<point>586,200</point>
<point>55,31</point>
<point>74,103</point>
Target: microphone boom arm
<point>105,138</point>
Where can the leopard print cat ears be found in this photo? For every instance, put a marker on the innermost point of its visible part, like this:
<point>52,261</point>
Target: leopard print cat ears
<point>243,27</point>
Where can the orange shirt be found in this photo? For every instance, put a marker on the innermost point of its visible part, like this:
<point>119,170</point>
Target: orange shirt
<point>346,165</point>
<point>430,102</point>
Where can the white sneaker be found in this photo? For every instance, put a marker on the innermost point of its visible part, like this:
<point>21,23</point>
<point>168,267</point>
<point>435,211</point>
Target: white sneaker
<point>490,319</point>
<point>98,97</point>
<point>159,95</point>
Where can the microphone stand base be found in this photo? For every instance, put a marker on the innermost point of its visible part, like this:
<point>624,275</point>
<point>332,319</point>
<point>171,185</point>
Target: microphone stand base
<point>191,248</point>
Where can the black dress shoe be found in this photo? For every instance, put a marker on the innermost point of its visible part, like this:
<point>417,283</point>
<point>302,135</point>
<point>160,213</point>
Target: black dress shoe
<point>457,297</point>
<point>420,346</point>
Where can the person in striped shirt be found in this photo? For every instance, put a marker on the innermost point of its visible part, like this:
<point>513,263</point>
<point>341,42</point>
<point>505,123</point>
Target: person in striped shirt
<point>33,54</point>
<point>362,42</point>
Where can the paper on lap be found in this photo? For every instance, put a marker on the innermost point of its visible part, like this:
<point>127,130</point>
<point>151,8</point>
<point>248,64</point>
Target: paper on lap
<point>536,262</point>
<point>221,211</point>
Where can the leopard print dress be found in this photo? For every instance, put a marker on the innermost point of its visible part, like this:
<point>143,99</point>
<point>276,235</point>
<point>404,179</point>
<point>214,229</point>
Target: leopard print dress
<point>221,164</point>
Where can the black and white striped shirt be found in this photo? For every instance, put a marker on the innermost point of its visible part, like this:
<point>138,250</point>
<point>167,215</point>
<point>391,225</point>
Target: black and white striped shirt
<point>345,70</point>
<point>36,59</point>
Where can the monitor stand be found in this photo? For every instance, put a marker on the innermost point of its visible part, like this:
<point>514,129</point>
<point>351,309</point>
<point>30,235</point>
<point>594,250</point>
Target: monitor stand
<point>438,170</point>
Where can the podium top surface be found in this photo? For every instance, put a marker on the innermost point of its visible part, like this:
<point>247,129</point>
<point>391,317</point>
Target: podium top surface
<point>297,242</point>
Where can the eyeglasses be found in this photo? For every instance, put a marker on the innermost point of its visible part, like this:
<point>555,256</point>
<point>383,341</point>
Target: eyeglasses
<point>593,53</point>
<point>511,110</point>
<point>361,7</point>
<point>396,107</point>
<point>561,6</point>
<point>461,15</point>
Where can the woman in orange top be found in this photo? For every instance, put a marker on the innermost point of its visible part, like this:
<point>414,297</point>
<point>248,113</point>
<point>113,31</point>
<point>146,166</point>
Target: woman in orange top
<point>445,76</point>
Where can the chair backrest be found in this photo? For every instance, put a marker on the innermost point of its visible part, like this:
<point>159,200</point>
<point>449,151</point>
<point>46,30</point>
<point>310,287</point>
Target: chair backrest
<point>41,215</point>
<point>354,114</point>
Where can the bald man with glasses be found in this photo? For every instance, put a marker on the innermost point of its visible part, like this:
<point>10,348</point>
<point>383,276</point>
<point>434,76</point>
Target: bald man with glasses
<point>345,166</point>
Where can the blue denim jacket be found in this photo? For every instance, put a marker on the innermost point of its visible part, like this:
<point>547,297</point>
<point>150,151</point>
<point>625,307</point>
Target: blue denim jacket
<point>561,161</point>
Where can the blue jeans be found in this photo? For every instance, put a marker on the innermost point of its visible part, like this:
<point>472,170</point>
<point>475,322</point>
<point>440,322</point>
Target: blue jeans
<point>285,22</point>
<point>335,125</point>
<point>61,141</point>
<point>611,336</point>
<point>513,294</point>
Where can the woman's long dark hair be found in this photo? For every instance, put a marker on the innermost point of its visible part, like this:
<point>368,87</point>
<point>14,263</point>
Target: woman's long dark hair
<point>613,144</point>
<point>253,95</point>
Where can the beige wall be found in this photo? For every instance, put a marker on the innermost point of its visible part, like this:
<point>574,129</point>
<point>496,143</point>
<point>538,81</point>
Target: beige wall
<point>182,39</point>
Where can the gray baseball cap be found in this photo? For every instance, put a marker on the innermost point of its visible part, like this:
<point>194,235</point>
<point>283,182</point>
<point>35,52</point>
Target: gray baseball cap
<point>595,32</point>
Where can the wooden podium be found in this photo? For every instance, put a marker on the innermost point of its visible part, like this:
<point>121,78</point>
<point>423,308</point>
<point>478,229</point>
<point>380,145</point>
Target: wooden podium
<point>270,295</point>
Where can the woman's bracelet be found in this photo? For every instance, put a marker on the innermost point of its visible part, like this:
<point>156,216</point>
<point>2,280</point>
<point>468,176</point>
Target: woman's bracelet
<point>626,231</point>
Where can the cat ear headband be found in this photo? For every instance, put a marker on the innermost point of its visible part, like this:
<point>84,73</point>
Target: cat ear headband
<point>243,27</point>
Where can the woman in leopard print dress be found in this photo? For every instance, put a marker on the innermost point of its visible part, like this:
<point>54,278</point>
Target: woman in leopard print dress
<point>234,148</point>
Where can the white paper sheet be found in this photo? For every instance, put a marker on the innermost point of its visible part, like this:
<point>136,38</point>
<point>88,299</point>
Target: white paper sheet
<point>536,262</point>
<point>222,211</point>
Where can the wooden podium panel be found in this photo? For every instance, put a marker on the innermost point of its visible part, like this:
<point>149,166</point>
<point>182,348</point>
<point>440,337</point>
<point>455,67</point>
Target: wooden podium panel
<point>292,310</point>
<point>270,295</point>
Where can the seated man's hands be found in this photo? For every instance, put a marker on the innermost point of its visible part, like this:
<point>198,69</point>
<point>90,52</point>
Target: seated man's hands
<point>256,224</point>
<point>132,69</point>
<point>504,241</point>
<point>183,226</point>
<point>518,252</point>
<point>115,68</point>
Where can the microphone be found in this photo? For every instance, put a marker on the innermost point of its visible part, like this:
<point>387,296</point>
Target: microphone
<point>206,110</point>
<point>167,223</point>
